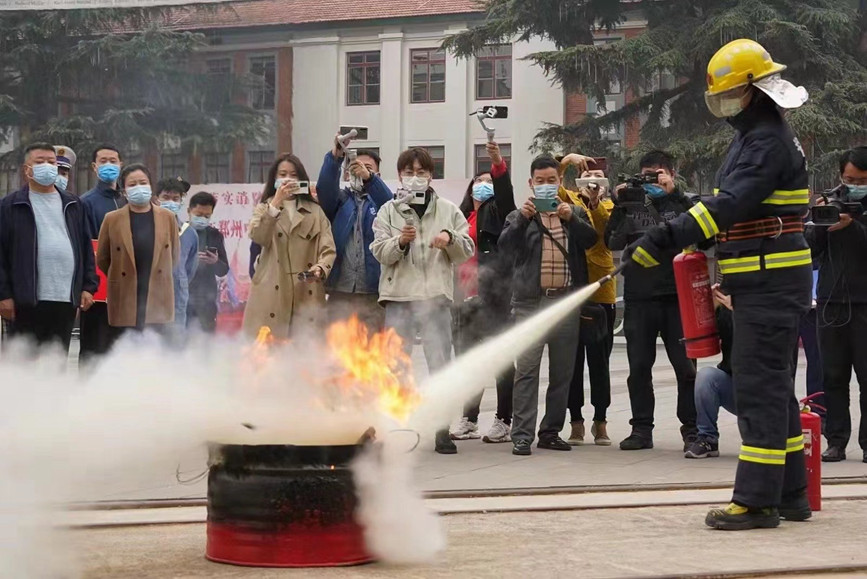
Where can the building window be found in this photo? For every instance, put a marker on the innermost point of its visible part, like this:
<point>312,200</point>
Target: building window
<point>264,70</point>
<point>217,167</point>
<point>220,76</point>
<point>362,78</point>
<point>494,72</point>
<point>482,162</point>
<point>258,163</point>
<point>438,154</point>
<point>173,165</point>
<point>428,75</point>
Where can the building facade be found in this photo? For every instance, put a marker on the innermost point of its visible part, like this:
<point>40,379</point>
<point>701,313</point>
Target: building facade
<point>376,64</point>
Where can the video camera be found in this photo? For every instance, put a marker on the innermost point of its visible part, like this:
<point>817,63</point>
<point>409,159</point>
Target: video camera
<point>829,214</point>
<point>633,195</point>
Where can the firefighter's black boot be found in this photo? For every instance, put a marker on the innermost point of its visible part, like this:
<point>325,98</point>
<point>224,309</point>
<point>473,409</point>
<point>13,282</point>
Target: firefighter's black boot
<point>737,518</point>
<point>796,507</point>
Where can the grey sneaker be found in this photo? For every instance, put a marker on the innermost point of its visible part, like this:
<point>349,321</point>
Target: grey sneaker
<point>465,430</point>
<point>499,432</point>
<point>702,448</point>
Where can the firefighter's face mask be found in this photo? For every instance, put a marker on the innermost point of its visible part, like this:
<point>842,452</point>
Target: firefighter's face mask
<point>729,103</point>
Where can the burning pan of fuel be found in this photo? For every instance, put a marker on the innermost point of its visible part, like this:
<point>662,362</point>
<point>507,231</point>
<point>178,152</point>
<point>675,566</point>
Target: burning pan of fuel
<point>273,504</point>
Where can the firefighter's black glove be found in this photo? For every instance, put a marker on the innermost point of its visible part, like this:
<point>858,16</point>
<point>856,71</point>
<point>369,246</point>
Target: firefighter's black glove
<point>647,251</point>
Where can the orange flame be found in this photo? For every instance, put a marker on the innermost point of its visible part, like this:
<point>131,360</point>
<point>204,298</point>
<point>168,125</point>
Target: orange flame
<point>375,368</point>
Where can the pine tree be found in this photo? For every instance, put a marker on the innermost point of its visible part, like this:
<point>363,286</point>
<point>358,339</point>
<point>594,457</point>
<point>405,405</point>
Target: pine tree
<point>79,77</point>
<point>823,43</point>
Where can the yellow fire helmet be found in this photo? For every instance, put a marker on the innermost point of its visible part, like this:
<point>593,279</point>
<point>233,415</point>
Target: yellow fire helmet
<point>742,63</point>
<point>739,63</point>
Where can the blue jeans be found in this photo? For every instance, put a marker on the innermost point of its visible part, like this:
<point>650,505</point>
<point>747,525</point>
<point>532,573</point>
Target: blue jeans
<point>714,389</point>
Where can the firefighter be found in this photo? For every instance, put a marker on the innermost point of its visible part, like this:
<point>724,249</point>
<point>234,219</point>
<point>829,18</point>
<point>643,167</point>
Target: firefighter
<point>760,193</point>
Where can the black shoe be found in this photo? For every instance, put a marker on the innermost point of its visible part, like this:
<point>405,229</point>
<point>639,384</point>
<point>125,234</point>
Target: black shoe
<point>865,456</point>
<point>689,434</point>
<point>834,454</point>
<point>737,518</point>
<point>443,443</point>
<point>553,443</point>
<point>636,441</point>
<point>796,508</point>
<point>701,448</point>
<point>522,448</point>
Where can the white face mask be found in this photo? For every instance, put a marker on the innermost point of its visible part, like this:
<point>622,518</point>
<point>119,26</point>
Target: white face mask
<point>416,184</point>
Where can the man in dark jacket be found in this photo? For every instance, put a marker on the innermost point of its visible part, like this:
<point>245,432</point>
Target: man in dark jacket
<point>95,335</point>
<point>841,297</point>
<point>761,195</point>
<point>47,266</point>
<point>353,285</point>
<point>547,248</point>
<point>651,308</point>
<point>213,263</point>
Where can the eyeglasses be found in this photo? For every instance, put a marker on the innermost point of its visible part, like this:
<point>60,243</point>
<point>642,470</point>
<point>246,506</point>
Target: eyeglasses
<point>854,181</point>
<point>408,174</point>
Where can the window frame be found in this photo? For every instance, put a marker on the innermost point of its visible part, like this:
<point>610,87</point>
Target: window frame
<point>253,91</point>
<point>439,161</point>
<point>264,163</point>
<point>227,157</point>
<point>175,154</point>
<point>428,62</point>
<point>480,155</point>
<point>494,58</point>
<point>364,66</point>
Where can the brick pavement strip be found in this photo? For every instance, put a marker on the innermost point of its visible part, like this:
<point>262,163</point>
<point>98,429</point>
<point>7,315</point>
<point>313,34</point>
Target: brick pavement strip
<point>627,542</point>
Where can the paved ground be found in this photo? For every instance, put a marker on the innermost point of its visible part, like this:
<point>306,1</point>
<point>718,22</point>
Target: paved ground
<point>626,542</point>
<point>483,466</point>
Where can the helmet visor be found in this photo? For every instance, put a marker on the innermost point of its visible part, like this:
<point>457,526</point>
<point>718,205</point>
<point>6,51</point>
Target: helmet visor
<point>726,104</point>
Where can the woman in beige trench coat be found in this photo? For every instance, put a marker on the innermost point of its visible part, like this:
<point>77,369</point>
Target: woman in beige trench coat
<point>295,236</point>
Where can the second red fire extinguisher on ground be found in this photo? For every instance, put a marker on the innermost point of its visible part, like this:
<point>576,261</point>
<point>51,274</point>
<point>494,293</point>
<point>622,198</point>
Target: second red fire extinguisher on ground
<point>695,298</point>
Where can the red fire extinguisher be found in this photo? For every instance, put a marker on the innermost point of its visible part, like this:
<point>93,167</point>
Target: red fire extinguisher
<point>811,425</point>
<point>696,305</point>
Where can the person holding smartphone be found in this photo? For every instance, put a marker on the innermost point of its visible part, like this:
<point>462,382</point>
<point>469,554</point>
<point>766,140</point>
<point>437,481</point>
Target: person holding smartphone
<point>213,263</point>
<point>546,240</point>
<point>297,253</point>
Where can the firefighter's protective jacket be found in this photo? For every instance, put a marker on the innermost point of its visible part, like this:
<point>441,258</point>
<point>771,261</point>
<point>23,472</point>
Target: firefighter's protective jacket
<point>764,175</point>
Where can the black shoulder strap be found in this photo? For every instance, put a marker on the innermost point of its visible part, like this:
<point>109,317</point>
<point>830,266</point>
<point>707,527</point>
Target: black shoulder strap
<point>654,214</point>
<point>547,232</point>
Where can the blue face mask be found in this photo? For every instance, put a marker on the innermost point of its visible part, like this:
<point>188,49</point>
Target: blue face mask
<point>546,191</point>
<point>199,223</point>
<point>45,174</point>
<point>139,195</point>
<point>108,173</point>
<point>172,206</point>
<point>654,191</point>
<point>857,192</point>
<point>62,182</point>
<point>483,191</point>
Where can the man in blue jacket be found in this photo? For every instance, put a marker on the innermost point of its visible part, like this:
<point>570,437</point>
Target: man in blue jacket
<point>353,286</point>
<point>47,266</point>
<point>107,161</point>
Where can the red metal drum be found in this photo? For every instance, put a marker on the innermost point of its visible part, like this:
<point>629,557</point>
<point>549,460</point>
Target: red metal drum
<point>283,506</point>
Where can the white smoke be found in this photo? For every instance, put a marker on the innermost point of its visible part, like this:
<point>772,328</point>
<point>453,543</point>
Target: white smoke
<point>398,527</point>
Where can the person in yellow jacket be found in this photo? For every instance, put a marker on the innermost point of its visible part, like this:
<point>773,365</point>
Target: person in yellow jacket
<point>597,317</point>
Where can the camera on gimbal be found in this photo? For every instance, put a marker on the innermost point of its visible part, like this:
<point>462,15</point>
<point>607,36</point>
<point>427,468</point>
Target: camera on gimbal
<point>829,214</point>
<point>633,195</point>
